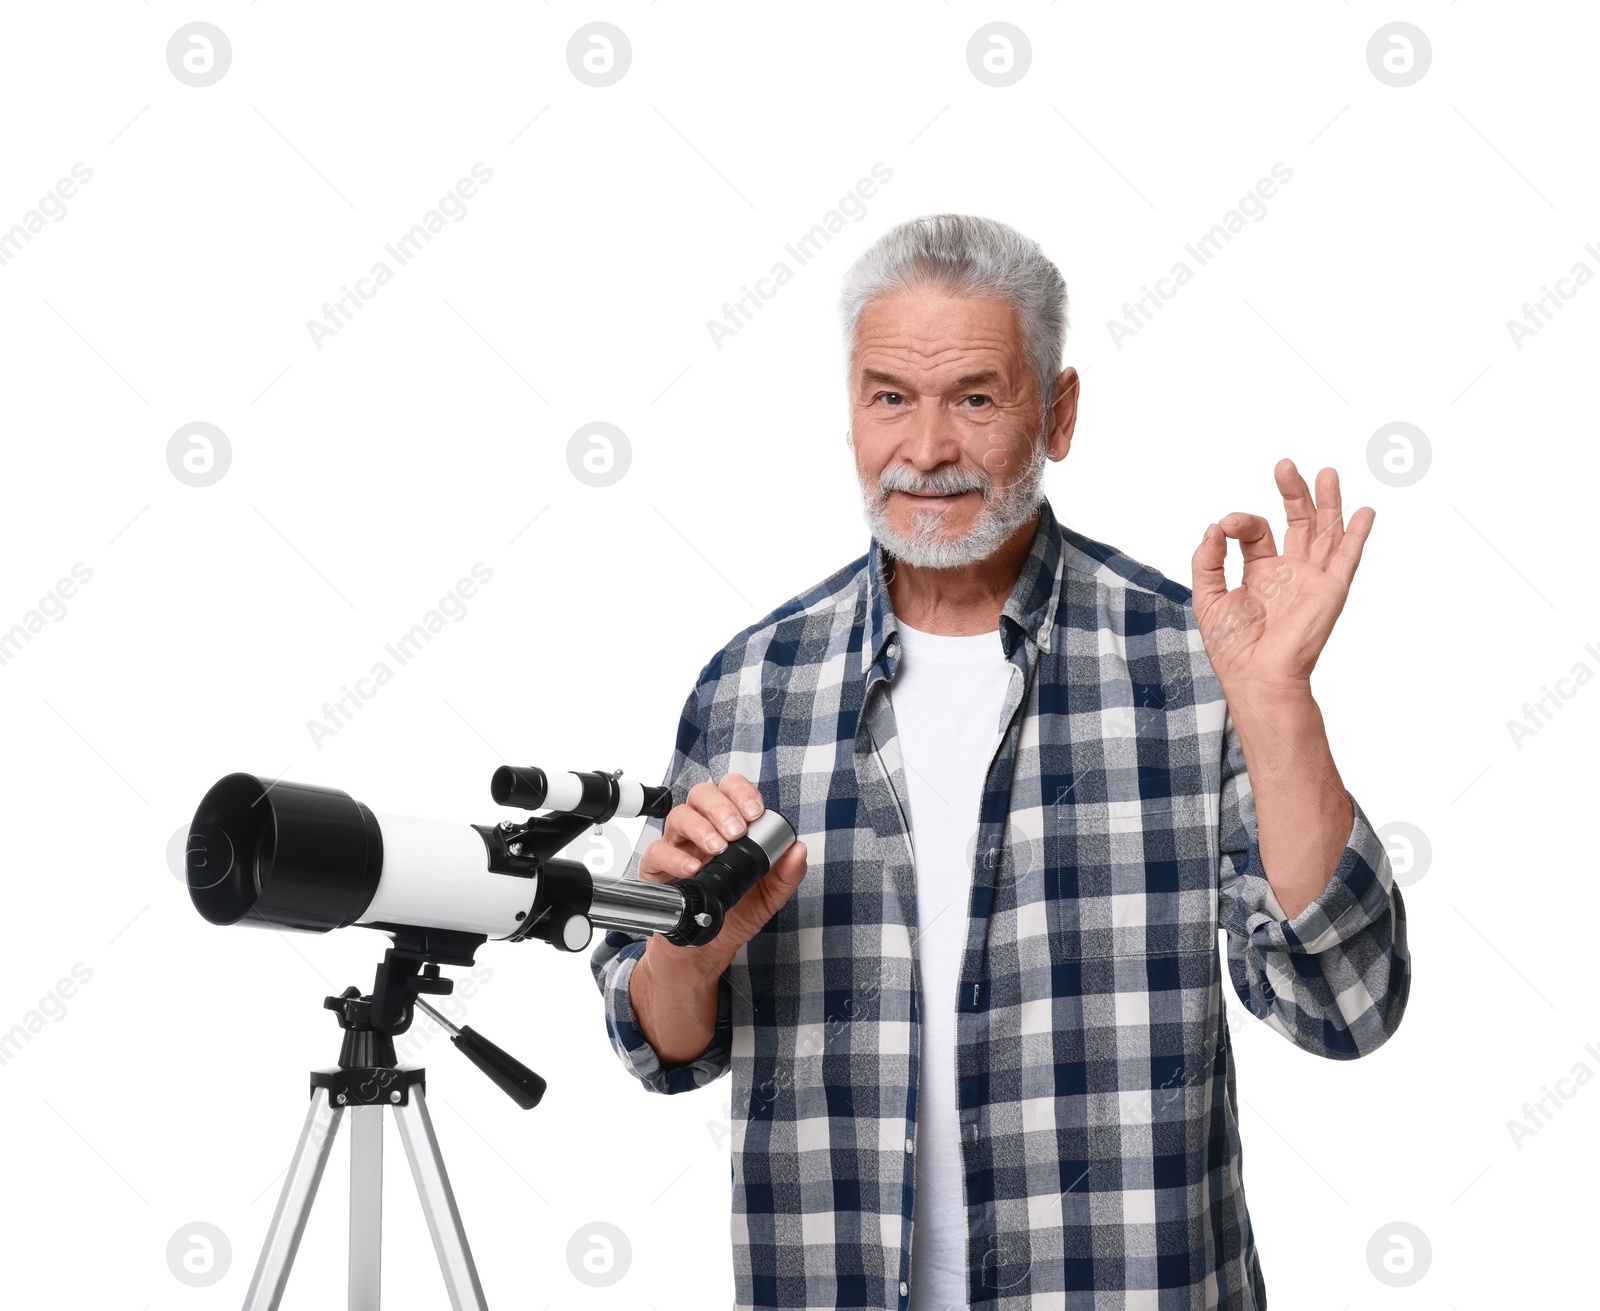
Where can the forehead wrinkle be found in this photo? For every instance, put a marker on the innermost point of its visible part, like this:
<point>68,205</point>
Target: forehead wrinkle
<point>908,340</point>
<point>952,361</point>
<point>937,339</point>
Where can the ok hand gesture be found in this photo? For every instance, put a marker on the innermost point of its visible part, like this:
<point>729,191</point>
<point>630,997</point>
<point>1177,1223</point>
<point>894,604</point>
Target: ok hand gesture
<point>1263,637</point>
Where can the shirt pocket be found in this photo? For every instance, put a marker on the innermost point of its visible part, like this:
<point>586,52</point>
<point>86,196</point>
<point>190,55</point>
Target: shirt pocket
<point>1130,878</point>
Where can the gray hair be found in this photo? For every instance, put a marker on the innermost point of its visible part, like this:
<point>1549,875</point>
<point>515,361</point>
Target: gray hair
<point>975,257</point>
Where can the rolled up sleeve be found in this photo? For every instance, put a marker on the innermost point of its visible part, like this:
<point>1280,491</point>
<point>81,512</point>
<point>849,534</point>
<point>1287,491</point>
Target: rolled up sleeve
<point>1333,979</point>
<point>614,959</point>
<point>614,963</point>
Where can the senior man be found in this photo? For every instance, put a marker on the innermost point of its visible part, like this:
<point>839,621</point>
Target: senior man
<point>979,1051</point>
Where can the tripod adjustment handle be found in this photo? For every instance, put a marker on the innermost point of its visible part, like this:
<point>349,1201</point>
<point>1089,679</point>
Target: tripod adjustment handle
<point>515,1079</point>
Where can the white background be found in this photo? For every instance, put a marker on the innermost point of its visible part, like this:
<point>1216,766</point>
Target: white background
<point>367,476</point>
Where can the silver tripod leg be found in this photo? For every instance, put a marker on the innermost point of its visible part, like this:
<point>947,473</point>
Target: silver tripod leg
<point>294,1204</point>
<point>366,1207</point>
<point>439,1205</point>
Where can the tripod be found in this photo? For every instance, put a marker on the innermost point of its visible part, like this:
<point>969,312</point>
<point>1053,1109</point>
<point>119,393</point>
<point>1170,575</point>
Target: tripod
<point>367,1080</point>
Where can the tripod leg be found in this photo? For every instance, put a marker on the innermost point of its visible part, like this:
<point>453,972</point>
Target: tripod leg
<point>294,1204</point>
<point>366,1207</point>
<point>439,1205</point>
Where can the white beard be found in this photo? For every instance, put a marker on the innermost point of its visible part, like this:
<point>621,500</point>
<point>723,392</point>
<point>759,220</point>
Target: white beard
<point>928,546</point>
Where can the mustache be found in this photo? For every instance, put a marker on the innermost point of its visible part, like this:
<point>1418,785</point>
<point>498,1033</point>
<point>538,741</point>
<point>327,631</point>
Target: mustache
<point>945,482</point>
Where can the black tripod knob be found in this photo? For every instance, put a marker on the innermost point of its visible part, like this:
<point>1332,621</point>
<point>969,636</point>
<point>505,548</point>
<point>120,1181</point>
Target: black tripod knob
<point>515,1079</point>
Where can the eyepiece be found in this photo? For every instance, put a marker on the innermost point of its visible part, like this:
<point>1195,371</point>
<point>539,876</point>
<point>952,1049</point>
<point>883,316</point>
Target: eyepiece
<point>524,787</point>
<point>727,876</point>
<point>592,794</point>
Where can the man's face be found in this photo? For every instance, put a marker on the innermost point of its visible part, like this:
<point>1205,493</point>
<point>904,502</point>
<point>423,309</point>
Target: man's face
<point>945,426</point>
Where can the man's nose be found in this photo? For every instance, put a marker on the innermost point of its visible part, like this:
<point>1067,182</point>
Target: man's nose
<point>931,438</point>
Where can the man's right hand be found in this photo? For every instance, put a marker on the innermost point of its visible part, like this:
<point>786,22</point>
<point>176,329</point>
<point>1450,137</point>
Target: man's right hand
<point>709,819</point>
<point>673,989</point>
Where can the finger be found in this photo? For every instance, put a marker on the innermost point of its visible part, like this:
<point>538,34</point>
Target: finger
<point>744,794</point>
<point>717,806</point>
<point>777,885</point>
<point>1343,562</point>
<point>1254,534</point>
<point>1330,516</point>
<point>1299,508</point>
<point>664,862</point>
<point>690,827</point>
<point>1210,583</point>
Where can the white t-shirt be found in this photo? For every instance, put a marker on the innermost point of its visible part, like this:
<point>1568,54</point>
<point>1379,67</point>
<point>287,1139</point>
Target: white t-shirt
<point>946,696</point>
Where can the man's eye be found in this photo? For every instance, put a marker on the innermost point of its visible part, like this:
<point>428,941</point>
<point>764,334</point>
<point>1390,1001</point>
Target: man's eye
<point>892,397</point>
<point>980,401</point>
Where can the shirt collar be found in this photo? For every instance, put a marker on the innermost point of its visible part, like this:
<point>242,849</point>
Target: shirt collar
<point>1029,612</point>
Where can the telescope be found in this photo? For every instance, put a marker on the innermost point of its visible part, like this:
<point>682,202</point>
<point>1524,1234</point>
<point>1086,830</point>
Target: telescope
<point>310,859</point>
<point>301,858</point>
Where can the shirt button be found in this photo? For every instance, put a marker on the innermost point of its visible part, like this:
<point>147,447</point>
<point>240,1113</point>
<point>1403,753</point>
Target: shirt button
<point>904,1288</point>
<point>909,1145</point>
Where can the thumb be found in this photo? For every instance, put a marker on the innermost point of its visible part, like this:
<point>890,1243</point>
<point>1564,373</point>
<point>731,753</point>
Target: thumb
<point>1210,583</point>
<point>777,885</point>
<point>751,912</point>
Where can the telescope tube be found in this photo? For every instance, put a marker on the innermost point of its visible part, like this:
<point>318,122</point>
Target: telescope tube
<point>307,858</point>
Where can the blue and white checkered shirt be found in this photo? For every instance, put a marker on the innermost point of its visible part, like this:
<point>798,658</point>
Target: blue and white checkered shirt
<point>1095,1081</point>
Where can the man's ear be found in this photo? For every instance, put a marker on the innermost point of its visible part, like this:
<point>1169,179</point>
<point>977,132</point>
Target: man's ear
<point>1064,413</point>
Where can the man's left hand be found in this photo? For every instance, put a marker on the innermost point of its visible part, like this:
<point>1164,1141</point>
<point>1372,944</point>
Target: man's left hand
<point>1264,636</point>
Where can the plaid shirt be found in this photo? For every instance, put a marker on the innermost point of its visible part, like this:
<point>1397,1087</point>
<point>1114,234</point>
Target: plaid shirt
<point>1095,1081</point>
